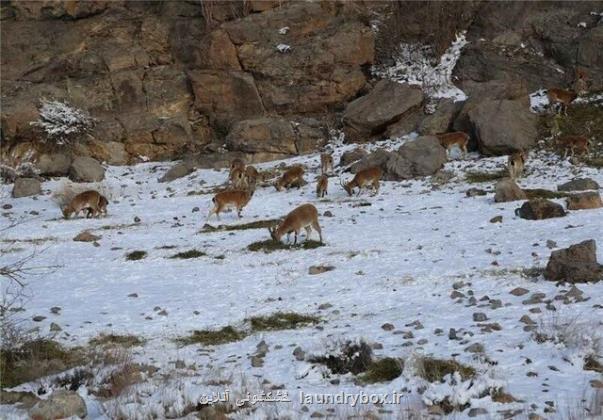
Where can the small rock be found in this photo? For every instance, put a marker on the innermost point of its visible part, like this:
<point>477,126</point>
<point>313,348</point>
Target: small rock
<point>575,264</point>
<point>527,320</point>
<point>456,294</point>
<point>324,306</point>
<point>26,187</point>
<point>496,219</point>
<point>195,209</point>
<point>319,269</point>
<point>519,291</point>
<point>551,244</point>
<point>475,348</point>
<point>299,354</point>
<point>133,295</point>
<point>495,304</point>
<point>262,348</point>
<point>478,411</point>
<point>458,285</point>
<point>257,361</point>
<point>163,312</point>
<point>387,326</point>
<point>580,184</point>
<point>55,310</point>
<point>479,317</point>
<point>180,364</point>
<point>540,208</point>
<point>422,341</point>
<point>327,214</point>
<point>136,219</point>
<point>7,206</point>
<point>86,236</point>
<point>474,192</point>
<point>55,327</point>
<point>452,334</point>
<point>38,318</point>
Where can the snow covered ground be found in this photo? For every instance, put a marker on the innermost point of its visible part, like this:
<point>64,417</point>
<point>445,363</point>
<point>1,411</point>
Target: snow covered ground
<point>398,256</point>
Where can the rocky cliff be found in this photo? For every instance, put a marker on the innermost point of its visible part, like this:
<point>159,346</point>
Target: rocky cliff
<point>166,79</point>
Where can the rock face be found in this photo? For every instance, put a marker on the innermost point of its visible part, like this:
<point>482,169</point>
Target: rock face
<point>164,79</point>
<point>540,208</point>
<point>508,190</point>
<point>60,404</point>
<point>441,120</point>
<point>26,187</point>
<point>575,264</point>
<point>502,127</point>
<point>421,157</point>
<point>86,169</point>
<point>580,184</point>
<point>274,136</point>
<point>585,200</point>
<point>385,104</point>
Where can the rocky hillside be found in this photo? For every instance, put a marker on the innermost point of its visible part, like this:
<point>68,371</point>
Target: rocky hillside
<point>267,79</point>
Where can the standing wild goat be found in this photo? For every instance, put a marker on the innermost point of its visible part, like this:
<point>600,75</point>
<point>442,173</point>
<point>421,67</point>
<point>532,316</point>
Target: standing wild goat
<point>572,144</point>
<point>293,176</point>
<point>302,217</point>
<point>456,138</point>
<point>321,186</point>
<point>326,163</point>
<point>516,164</point>
<point>364,178</point>
<point>251,174</point>
<point>237,178</point>
<point>230,199</point>
<point>561,97</point>
<point>581,82</point>
<point>90,201</point>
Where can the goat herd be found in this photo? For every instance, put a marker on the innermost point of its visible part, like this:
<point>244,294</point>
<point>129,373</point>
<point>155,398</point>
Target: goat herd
<point>243,180</point>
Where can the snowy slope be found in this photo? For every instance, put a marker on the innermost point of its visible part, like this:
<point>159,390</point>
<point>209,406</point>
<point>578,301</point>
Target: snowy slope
<point>396,259</point>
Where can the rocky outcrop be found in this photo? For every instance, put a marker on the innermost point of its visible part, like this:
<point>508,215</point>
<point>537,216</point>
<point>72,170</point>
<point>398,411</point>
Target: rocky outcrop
<point>86,169</point>
<point>54,164</point>
<point>508,190</point>
<point>575,264</point>
<point>540,208</point>
<point>584,200</point>
<point>26,187</point>
<point>385,104</point>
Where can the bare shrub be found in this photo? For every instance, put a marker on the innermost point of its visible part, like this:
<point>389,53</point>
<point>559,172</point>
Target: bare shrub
<point>61,122</point>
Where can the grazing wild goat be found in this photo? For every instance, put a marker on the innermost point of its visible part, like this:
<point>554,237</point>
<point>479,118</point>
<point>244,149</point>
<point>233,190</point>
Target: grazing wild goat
<point>364,178</point>
<point>292,177</point>
<point>516,164</point>
<point>230,199</point>
<point>91,201</point>
<point>456,138</point>
<point>326,163</point>
<point>561,97</point>
<point>321,186</point>
<point>302,217</point>
<point>573,144</point>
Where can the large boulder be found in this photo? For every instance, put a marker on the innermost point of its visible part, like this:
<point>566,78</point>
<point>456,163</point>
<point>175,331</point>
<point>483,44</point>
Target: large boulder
<point>575,264</point>
<point>179,170</point>
<point>421,157</point>
<point>61,404</point>
<point>507,190</point>
<point>26,187</point>
<point>86,169</point>
<point>540,208</point>
<point>579,184</point>
<point>352,156</point>
<point>584,200</point>
<point>385,104</point>
<point>53,164</point>
<point>441,120</point>
<point>503,126</point>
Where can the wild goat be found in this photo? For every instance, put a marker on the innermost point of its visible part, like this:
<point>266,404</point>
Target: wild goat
<point>251,174</point>
<point>561,97</point>
<point>456,138</point>
<point>581,82</point>
<point>326,163</point>
<point>302,217</point>
<point>516,164</point>
<point>237,178</point>
<point>230,199</point>
<point>292,177</point>
<point>91,201</point>
<point>321,186</point>
<point>364,178</point>
<point>572,144</point>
